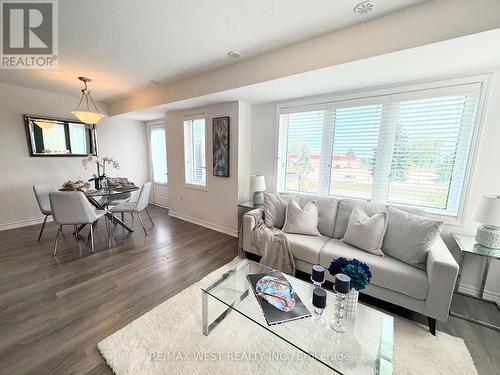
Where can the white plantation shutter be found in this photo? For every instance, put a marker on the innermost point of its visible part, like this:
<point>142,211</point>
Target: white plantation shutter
<point>431,150</point>
<point>194,152</point>
<point>355,141</point>
<point>406,147</point>
<point>302,155</point>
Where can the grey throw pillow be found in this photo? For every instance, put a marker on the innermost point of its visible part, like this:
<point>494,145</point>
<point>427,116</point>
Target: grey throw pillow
<point>409,237</point>
<point>371,208</point>
<point>366,232</point>
<point>274,209</point>
<point>301,220</point>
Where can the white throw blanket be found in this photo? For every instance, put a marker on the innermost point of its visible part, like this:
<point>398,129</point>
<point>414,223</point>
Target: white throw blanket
<point>274,247</point>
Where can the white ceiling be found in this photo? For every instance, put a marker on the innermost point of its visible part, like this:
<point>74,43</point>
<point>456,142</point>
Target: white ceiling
<point>124,44</point>
<point>472,54</point>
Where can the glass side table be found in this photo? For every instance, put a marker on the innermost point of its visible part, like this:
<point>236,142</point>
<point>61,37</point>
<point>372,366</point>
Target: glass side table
<point>468,245</point>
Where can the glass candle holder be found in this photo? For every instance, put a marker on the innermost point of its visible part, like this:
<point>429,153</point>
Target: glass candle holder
<point>319,303</point>
<point>342,287</point>
<point>337,324</point>
<point>318,275</point>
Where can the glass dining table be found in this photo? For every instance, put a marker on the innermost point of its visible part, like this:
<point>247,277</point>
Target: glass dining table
<point>102,198</point>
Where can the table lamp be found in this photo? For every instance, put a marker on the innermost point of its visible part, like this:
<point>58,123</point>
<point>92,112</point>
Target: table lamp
<point>488,214</point>
<point>258,186</point>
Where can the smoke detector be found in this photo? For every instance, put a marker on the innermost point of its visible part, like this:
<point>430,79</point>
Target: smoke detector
<point>234,54</point>
<point>364,7</point>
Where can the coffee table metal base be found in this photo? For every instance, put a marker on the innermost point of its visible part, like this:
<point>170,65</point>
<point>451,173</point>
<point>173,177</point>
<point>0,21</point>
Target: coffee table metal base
<point>209,327</point>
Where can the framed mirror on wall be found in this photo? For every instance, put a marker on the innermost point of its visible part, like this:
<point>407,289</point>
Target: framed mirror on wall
<point>50,136</point>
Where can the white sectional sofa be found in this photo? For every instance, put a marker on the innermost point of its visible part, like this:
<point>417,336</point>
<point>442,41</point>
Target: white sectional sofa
<point>427,291</point>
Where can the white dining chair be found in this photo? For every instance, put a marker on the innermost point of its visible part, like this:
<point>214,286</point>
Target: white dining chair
<point>137,207</point>
<point>73,208</point>
<point>42,197</point>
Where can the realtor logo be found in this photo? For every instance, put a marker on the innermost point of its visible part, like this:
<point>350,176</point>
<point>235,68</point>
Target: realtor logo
<point>29,34</point>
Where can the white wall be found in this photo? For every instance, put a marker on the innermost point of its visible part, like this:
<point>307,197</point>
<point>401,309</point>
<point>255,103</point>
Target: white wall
<point>124,140</point>
<point>485,178</point>
<point>215,207</point>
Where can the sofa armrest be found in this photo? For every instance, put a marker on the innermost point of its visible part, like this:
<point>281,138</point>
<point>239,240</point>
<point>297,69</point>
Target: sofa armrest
<point>442,271</point>
<point>250,220</point>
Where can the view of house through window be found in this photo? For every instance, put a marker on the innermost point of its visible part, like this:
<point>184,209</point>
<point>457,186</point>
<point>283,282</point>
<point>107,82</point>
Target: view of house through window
<point>409,149</point>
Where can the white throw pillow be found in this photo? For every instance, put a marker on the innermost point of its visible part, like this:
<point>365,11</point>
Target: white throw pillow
<point>366,232</point>
<point>301,220</point>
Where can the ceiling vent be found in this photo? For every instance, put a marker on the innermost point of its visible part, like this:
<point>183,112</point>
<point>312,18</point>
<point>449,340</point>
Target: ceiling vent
<point>364,7</point>
<point>234,54</point>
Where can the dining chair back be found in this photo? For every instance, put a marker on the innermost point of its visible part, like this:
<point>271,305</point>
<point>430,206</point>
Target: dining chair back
<point>137,207</point>
<point>143,200</point>
<point>42,197</point>
<point>73,208</point>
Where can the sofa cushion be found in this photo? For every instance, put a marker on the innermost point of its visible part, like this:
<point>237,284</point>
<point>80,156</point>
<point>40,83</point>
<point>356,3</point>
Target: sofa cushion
<point>409,237</point>
<point>327,210</point>
<point>275,208</point>
<point>306,248</point>
<point>387,272</point>
<point>301,220</point>
<point>366,232</point>
<point>371,208</point>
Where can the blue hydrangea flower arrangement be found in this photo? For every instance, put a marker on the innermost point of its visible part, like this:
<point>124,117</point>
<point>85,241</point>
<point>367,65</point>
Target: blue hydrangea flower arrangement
<point>359,272</point>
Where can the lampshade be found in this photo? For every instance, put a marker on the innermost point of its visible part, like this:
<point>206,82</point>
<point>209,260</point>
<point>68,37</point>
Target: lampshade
<point>43,124</point>
<point>488,210</point>
<point>257,183</point>
<point>88,117</point>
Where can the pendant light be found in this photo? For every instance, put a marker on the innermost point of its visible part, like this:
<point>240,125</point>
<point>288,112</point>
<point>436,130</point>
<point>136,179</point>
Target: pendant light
<point>89,116</point>
<point>44,124</point>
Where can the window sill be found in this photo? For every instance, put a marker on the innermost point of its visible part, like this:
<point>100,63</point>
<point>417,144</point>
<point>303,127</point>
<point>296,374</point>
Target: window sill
<point>196,187</point>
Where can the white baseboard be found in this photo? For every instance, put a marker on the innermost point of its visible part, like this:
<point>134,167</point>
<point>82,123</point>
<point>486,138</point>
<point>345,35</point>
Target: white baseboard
<point>488,295</point>
<point>24,223</point>
<point>159,205</point>
<point>203,223</point>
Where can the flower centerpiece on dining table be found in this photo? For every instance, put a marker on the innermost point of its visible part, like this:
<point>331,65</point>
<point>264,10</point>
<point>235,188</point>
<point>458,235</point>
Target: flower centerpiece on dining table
<point>100,162</point>
<point>360,275</point>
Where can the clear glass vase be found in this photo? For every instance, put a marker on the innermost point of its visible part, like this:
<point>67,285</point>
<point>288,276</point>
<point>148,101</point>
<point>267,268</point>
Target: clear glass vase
<point>352,303</point>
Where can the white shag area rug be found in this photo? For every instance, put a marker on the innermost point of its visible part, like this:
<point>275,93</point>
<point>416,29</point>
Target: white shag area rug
<point>168,340</point>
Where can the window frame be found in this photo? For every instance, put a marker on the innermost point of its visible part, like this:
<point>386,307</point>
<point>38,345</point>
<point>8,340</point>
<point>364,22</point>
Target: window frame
<point>370,95</point>
<point>193,117</point>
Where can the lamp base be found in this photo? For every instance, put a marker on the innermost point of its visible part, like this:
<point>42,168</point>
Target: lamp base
<point>488,236</point>
<point>258,197</point>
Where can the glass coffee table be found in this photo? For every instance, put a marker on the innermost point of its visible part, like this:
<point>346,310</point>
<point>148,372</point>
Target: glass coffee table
<point>368,341</point>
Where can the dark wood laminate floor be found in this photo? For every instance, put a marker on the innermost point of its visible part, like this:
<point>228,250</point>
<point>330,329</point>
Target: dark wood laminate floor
<point>53,311</point>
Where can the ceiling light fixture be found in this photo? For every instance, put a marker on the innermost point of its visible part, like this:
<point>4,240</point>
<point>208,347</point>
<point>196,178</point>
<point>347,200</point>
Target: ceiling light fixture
<point>234,54</point>
<point>89,116</point>
<point>364,7</point>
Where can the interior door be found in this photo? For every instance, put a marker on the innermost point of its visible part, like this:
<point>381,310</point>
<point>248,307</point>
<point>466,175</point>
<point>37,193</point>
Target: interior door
<point>158,163</point>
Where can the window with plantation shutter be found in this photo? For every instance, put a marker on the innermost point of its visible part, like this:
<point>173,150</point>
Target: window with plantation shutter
<point>355,140</point>
<point>431,148</point>
<point>405,147</point>
<point>194,152</point>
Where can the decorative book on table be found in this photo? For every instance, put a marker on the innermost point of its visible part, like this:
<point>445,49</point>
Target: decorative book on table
<point>276,297</point>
